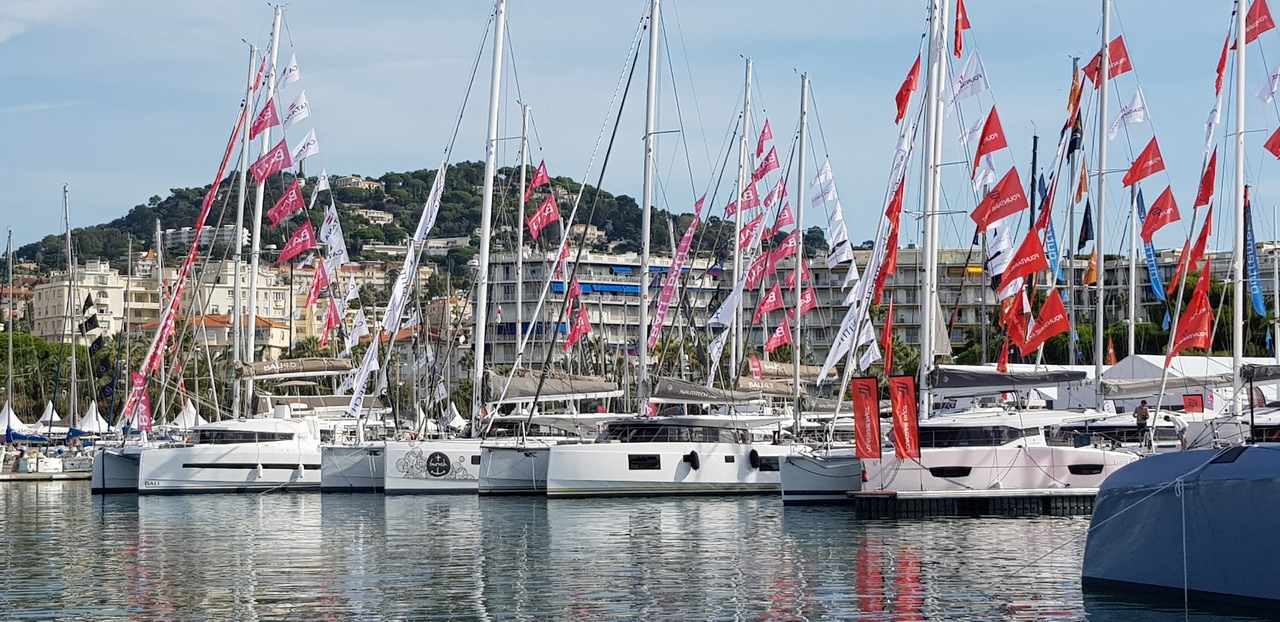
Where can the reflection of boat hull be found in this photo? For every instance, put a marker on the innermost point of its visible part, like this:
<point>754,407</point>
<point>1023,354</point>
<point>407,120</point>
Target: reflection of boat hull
<point>1192,519</point>
<point>115,470</point>
<point>820,478</point>
<point>663,468</point>
<point>247,467</point>
<point>432,467</point>
<point>1008,467</point>
<point>352,468</point>
<point>514,469</point>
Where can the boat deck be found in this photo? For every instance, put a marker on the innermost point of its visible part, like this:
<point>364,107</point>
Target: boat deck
<point>873,504</point>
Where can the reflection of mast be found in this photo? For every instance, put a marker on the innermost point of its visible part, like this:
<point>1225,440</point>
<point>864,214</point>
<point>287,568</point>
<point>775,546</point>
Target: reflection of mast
<point>651,106</point>
<point>486,215</point>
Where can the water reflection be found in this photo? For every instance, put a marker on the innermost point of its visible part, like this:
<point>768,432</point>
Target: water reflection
<point>369,557</point>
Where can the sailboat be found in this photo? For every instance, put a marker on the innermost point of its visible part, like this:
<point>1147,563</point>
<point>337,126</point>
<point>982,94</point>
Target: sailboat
<point>1186,524</point>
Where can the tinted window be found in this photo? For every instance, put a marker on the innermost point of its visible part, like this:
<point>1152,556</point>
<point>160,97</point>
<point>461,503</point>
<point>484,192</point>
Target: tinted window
<point>644,462</point>
<point>978,436</point>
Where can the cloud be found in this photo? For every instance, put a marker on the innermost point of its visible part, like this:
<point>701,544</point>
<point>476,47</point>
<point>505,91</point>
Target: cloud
<point>19,16</point>
<point>39,106</point>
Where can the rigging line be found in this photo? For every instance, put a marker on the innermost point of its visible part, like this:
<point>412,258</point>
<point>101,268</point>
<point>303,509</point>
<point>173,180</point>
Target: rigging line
<point>475,67</point>
<point>675,92</point>
<point>697,110</point>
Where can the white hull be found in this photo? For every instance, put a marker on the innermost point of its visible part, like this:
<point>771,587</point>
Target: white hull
<point>39,463</point>
<point>1003,467</point>
<point>609,469</point>
<point>432,467</point>
<point>514,468</point>
<point>352,468</point>
<point>115,470</point>
<point>243,467</point>
<point>820,478</point>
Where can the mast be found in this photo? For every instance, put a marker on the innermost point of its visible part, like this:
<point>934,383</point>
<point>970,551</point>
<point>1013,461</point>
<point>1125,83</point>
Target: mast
<point>9,323</point>
<point>735,359</point>
<point>1069,238</point>
<point>1133,266</point>
<point>72,305</point>
<point>932,191</point>
<point>486,215</point>
<point>255,251</point>
<point>650,118</point>
<point>524,165</point>
<point>1237,259</point>
<point>237,329</point>
<point>800,194</point>
<point>164,369</point>
<point>1275,284</point>
<point>1100,221</point>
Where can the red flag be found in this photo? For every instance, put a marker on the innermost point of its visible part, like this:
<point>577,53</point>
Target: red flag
<point>757,371</point>
<point>808,302</point>
<point>1195,327</point>
<point>906,431</point>
<point>575,289</point>
<point>1148,163</point>
<point>1273,144</point>
<point>1181,268</point>
<point>1202,241</point>
<point>540,178</point>
<point>1256,21</point>
<point>866,417</point>
<point>1163,212</point>
<point>1222,65</point>
<point>776,193</point>
<point>1052,322</point>
<point>780,336</point>
<point>992,140</point>
<point>546,214</point>
<point>1119,62</point>
<point>268,118</point>
<point>772,301</point>
<point>562,260</point>
<point>304,239</point>
<point>804,275</point>
<point>1002,363</point>
<point>580,328</point>
<point>765,134</point>
<point>1205,194</point>
<point>770,163</point>
<point>887,339</point>
<point>144,407</point>
<point>318,284</point>
<point>331,321</point>
<point>962,24</point>
<point>1006,198</point>
<point>748,232</point>
<point>908,87</point>
<point>271,162</point>
<point>1015,321</point>
<point>786,218</point>
<point>893,211</point>
<point>787,248</point>
<point>890,265</point>
<point>750,197</point>
<point>1029,259</point>
<point>289,203</point>
<point>756,271</point>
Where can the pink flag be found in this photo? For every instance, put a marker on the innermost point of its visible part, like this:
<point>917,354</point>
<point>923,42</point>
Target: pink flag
<point>271,162</point>
<point>749,232</point>
<point>804,272</point>
<point>540,178</point>
<point>562,260</point>
<point>580,328</point>
<point>808,302</point>
<point>288,204</point>
<point>332,320</point>
<point>780,336</point>
<point>546,214</point>
<point>673,274</point>
<point>765,134</point>
<point>772,301</point>
<point>304,239</point>
<point>732,207</point>
<point>756,271</point>
<point>750,197</point>
<point>770,163</point>
<point>144,406</point>
<point>786,218</point>
<point>757,370</point>
<point>575,289</point>
<point>318,283</point>
<point>788,247</point>
<point>778,191</point>
<point>268,118</point>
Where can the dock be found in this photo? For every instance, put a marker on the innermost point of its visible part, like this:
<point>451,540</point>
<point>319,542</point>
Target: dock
<point>45,477</point>
<point>876,504</point>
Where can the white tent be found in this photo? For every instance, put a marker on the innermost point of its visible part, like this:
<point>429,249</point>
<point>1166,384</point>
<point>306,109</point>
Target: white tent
<point>50,417</point>
<point>11,420</point>
<point>1151,366</point>
<point>188,417</point>
<point>92,422</point>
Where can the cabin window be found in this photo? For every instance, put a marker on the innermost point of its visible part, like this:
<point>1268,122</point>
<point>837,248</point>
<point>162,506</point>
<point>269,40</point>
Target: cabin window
<point>951,471</point>
<point>475,459</point>
<point>975,436</point>
<point>644,462</point>
<point>769,463</point>
<point>1084,469</point>
<point>229,437</point>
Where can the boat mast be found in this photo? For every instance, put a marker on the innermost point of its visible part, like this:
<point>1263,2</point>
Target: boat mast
<point>1133,266</point>
<point>524,166</point>
<point>1237,268</point>
<point>164,369</point>
<point>1069,238</point>
<point>486,215</point>
<point>251,325</point>
<point>651,106</point>
<point>1100,220</point>
<point>9,323</point>
<point>72,304</point>
<point>735,358</point>
<point>932,190</point>
<point>802,144</point>
<point>1275,283</point>
<point>237,328</point>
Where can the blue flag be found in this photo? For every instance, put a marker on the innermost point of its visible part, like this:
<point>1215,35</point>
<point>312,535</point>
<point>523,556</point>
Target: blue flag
<point>1050,239</point>
<point>1269,348</point>
<point>1251,261</point>
<point>1167,321</point>
<point>1153,266</point>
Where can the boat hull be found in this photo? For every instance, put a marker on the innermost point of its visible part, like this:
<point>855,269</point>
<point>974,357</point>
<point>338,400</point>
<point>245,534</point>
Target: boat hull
<point>1009,467</point>
<point>352,468</point>
<point>663,468</point>
<point>448,466</point>
<point>810,479</point>
<point>115,470</point>
<point>1207,535</point>
<point>514,469</point>
<point>247,467</point>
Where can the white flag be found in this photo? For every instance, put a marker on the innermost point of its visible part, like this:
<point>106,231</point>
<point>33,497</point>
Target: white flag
<point>1215,117</point>
<point>311,259</point>
<point>322,183</point>
<point>331,236</point>
<point>307,148</point>
<point>841,249</point>
<point>973,132</point>
<point>298,110</point>
<point>986,173</point>
<point>852,274</point>
<point>1010,289</point>
<point>1135,112</point>
<point>442,394</point>
<point>971,81</point>
<point>714,350</point>
<point>289,74</point>
<point>413,319</point>
<point>870,356</point>
<point>842,343</point>
<point>353,290</point>
<point>367,366</point>
<point>1268,91</point>
<point>824,174</point>
<point>359,328</point>
<point>826,193</point>
<point>429,212</point>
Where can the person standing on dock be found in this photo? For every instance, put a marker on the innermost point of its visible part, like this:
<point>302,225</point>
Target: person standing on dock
<point>1180,426</point>
<point>1142,416</point>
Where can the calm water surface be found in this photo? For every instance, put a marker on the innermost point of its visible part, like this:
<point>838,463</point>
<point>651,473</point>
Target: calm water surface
<point>65,554</point>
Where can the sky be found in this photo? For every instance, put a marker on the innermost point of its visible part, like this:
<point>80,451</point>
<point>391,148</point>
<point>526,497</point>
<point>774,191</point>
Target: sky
<point>125,99</point>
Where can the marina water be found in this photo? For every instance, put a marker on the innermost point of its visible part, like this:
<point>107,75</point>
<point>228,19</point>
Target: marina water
<point>306,556</point>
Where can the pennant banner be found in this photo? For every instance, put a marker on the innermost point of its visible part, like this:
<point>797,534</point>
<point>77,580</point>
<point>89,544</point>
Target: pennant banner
<point>289,203</point>
<point>1252,269</point>
<point>865,398</point>
<point>304,239</point>
<point>906,432</point>
<point>1149,250</point>
<point>673,274</point>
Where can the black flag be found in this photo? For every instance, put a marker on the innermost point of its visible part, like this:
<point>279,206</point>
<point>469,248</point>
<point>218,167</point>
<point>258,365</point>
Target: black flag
<point>88,304</point>
<point>89,324</point>
<point>102,370</point>
<point>96,345</point>
<point>1086,227</point>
